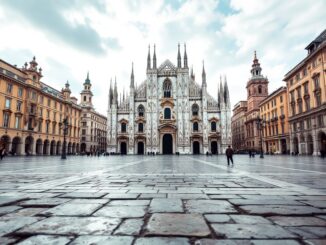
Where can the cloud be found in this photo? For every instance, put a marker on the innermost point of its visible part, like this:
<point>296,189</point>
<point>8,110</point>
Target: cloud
<point>48,15</point>
<point>103,37</point>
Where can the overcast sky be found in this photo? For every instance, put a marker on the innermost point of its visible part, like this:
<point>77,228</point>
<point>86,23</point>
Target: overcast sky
<point>70,38</point>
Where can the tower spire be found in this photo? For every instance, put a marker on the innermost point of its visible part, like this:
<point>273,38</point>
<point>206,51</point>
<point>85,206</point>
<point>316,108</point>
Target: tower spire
<point>132,78</point>
<point>226,92</point>
<point>154,59</point>
<point>149,58</point>
<point>255,68</point>
<point>203,75</point>
<point>115,93</point>
<point>185,58</point>
<point>179,56</point>
<point>221,90</point>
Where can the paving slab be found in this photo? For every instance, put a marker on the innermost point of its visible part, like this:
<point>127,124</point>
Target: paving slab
<point>281,209</point>
<point>45,239</point>
<point>44,202</point>
<point>68,209</point>
<point>259,231</point>
<point>121,211</point>
<point>129,203</point>
<point>72,226</point>
<point>315,241</point>
<point>266,201</point>
<point>122,196</point>
<point>83,195</point>
<point>206,241</point>
<point>249,219</point>
<point>8,209</point>
<point>209,206</point>
<point>130,227</point>
<point>162,241</point>
<point>25,212</point>
<point>5,200</point>
<point>10,224</point>
<point>103,240</point>
<point>174,224</point>
<point>161,205</point>
<point>274,242</point>
<point>309,231</point>
<point>297,221</point>
<point>218,218</point>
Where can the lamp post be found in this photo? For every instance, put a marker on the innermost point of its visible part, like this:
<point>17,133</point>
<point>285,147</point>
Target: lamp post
<point>260,124</point>
<point>98,141</point>
<point>65,129</point>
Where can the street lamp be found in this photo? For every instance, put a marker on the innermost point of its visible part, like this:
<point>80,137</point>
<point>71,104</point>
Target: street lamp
<point>65,131</point>
<point>98,141</point>
<point>260,124</point>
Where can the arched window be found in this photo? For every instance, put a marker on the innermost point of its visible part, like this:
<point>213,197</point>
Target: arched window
<point>195,109</point>
<point>84,98</point>
<point>167,86</point>
<point>140,127</point>
<point>213,126</point>
<point>195,127</point>
<point>123,127</point>
<point>259,89</point>
<point>167,113</point>
<point>141,110</point>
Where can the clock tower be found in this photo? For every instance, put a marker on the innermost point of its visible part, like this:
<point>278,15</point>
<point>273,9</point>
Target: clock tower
<point>86,94</point>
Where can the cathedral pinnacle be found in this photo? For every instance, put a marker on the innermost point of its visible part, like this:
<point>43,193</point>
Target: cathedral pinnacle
<point>149,58</point>
<point>185,58</point>
<point>132,78</point>
<point>203,76</point>
<point>154,59</point>
<point>179,56</point>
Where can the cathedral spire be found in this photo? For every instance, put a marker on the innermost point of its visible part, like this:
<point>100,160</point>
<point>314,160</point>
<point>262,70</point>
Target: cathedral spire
<point>149,58</point>
<point>221,90</point>
<point>132,78</point>
<point>185,58</point>
<point>203,75</point>
<point>115,92</point>
<point>192,75</point>
<point>179,56</point>
<point>110,93</point>
<point>226,92</point>
<point>154,59</point>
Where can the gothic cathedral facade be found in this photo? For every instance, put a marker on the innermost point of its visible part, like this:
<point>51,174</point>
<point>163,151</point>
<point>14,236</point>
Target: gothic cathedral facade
<point>169,113</point>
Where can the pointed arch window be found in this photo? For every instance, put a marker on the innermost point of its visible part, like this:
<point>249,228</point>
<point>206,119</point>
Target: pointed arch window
<point>167,87</point>
<point>141,110</point>
<point>213,126</point>
<point>195,109</point>
<point>167,113</point>
<point>195,127</point>
<point>140,127</point>
<point>123,127</point>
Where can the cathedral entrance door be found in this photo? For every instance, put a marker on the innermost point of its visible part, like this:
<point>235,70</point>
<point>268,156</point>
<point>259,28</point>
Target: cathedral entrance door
<point>214,148</point>
<point>195,148</point>
<point>167,144</point>
<point>123,148</point>
<point>140,148</point>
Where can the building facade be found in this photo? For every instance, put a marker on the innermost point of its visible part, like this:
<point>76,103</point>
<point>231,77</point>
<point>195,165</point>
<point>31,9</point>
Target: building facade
<point>32,113</point>
<point>169,113</point>
<point>239,142</point>
<point>257,90</point>
<point>93,124</point>
<point>274,113</point>
<point>306,88</point>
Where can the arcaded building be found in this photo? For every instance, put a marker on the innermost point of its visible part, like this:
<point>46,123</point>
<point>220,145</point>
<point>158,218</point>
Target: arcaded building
<point>32,113</point>
<point>306,88</point>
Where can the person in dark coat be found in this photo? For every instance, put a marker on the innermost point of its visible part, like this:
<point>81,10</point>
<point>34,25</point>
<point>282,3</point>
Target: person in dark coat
<point>229,154</point>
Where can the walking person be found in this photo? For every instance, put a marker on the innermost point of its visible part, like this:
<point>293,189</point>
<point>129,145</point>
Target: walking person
<point>229,155</point>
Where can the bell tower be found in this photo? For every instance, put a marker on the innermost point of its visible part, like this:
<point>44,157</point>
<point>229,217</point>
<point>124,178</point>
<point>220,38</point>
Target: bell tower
<point>257,86</point>
<point>86,94</point>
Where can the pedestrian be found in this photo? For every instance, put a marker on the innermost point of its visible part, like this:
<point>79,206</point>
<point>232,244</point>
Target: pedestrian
<point>250,153</point>
<point>229,155</point>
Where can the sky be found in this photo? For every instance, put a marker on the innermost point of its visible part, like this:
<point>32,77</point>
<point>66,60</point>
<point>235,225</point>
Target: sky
<point>104,37</point>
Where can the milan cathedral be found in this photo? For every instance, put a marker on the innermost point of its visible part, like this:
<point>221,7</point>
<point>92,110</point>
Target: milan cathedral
<point>169,113</point>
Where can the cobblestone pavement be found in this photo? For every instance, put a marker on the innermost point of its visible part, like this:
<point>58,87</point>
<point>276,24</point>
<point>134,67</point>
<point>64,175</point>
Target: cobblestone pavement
<point>162,200</point>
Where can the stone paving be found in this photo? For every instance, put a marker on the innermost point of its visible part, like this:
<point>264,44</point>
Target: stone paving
<point>163,200</point>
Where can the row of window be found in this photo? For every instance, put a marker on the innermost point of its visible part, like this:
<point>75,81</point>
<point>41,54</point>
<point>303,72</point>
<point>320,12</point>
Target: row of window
<point>33,95</point>
<point>304,72</point>
<point>272,103</point>
<point>306,124</point>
